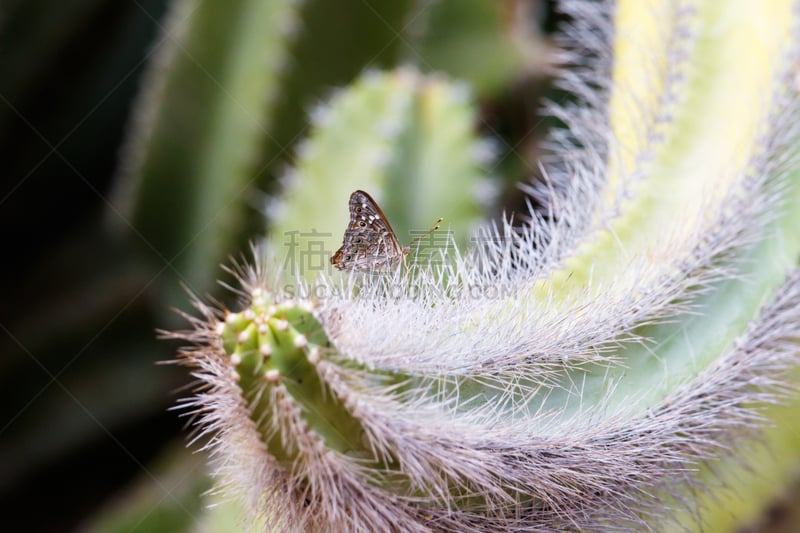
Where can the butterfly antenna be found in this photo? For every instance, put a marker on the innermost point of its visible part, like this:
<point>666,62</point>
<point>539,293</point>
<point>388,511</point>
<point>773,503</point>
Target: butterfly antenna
<point>433,228</point>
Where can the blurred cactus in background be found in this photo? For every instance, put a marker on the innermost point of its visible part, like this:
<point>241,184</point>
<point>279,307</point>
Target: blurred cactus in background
<point>611,345</point>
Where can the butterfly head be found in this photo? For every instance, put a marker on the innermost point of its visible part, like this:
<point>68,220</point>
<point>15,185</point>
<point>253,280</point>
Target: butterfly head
<point>337,258</point>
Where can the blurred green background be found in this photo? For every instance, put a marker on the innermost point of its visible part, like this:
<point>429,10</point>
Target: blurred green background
<point>123,180</point>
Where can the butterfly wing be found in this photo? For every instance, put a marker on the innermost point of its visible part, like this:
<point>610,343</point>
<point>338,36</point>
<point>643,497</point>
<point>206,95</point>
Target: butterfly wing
<point>369,242</point>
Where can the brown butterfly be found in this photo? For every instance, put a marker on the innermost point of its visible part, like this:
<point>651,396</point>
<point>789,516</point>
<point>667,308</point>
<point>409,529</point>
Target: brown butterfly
<point>369,243</point>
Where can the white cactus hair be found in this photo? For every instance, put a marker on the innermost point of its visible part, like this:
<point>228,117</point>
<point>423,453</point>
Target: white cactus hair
<point>471,414</point>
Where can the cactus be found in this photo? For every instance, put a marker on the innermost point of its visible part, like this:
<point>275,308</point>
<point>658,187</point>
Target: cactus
<point>208,103</point>
<point>224,94</point>
<point>591,368</point>
<point>401,134</point>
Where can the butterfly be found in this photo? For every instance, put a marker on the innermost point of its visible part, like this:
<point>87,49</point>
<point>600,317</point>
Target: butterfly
<point>369,243</point>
